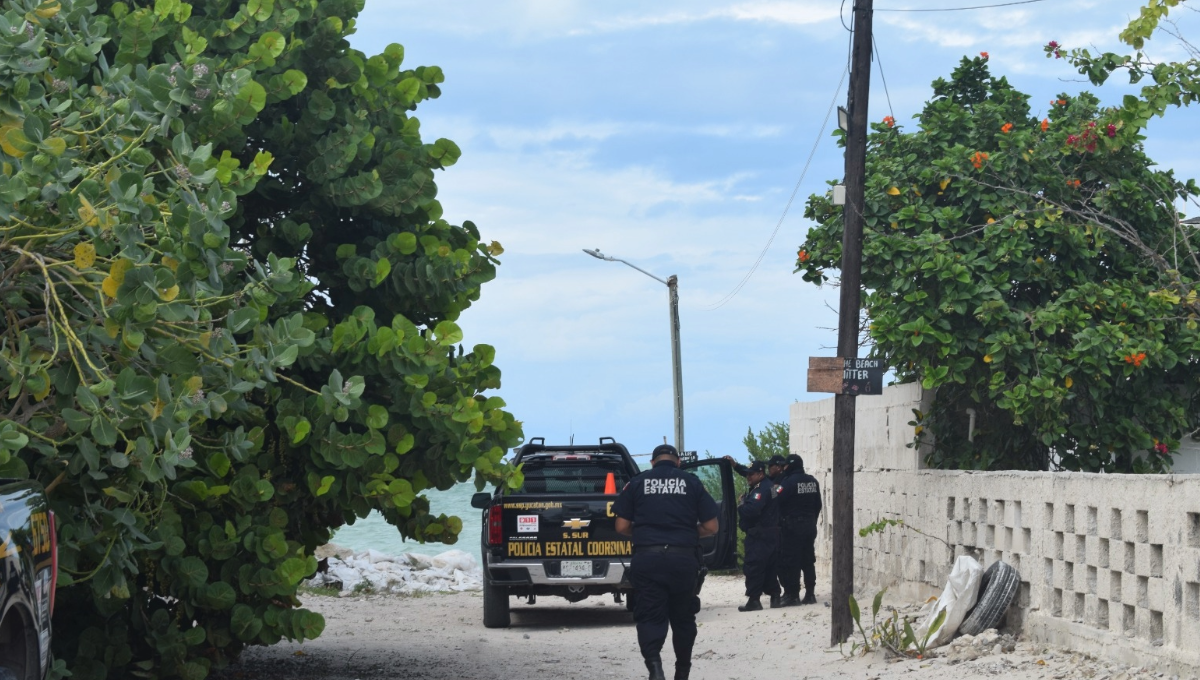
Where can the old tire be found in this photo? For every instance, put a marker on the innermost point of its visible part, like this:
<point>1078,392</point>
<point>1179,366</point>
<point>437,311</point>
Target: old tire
<point>495,606</point>
<point>996,593</point>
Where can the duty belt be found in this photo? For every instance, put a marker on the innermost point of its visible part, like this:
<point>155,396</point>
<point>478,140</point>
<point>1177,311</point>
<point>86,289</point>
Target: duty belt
<point>683,550</point>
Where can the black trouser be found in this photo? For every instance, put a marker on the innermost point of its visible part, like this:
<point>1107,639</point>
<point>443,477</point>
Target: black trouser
<point>665,584</point>
<point>797,552</point>
<point>762,547</point>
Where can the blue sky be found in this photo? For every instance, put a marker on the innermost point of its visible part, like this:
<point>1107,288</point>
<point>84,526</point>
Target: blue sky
<point>671,134</point>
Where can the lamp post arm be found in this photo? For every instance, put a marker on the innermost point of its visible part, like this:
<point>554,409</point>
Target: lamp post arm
<point>663,282</point>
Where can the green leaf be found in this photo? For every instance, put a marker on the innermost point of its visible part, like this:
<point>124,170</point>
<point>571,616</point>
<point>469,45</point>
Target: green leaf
<point>243,319</point>
<point>382,269</point>
<point>193,572</point>
<point>295,81</point>
<point>377,417</point>
<point>244,624</point>
<point>218,462</point>
<point>448,333</point>
<point>301,430</point>
<point>220,595</point>
<point>293,570</point>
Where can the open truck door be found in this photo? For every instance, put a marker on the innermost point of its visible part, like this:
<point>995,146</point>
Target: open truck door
<point>720,550</point>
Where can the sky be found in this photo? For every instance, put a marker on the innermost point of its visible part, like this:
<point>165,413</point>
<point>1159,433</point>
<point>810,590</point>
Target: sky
<point>672,134</point>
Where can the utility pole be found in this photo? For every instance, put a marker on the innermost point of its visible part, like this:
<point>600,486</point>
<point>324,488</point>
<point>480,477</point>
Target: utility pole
<point>676,362</point>
<point>848,314</point>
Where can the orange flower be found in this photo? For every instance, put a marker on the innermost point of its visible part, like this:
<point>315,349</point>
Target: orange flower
<point>1045,124</point>
<point>1135,359</point>
<point>1074,183</point>
<point>984,55</point>
<point>889,121</point>
<point>978,159</point>
<point>803,256</point>
<point>1061,102</point>
<point>1006,128</point>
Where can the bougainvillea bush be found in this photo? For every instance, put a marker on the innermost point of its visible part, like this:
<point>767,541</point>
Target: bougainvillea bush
<point>1032,269</point>
<point>228,302</point>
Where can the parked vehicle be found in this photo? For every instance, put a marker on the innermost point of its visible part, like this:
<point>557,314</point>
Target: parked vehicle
<point>556,534</point>
<point>28,576</point>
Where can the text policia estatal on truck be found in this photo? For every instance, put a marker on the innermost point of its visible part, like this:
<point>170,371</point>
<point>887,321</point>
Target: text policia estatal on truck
<point>556,535</point>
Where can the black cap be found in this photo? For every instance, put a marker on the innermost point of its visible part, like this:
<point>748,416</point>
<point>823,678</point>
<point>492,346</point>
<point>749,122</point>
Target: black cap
<point>777,460</point>
<point>795,461</point>
<point>664,450</point>
<point>757,466</point>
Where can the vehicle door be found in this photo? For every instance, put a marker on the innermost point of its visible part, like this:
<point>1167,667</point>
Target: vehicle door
<point>716,474</point>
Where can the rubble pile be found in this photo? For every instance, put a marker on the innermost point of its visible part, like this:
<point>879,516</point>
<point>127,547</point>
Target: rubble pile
<point>971,647</point>
<point>407,574</point>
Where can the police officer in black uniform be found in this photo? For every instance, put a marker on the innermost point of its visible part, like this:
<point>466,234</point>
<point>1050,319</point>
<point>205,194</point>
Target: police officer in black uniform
<point>799,504</point>
<point>775,468</point>
<point>666,511</point>
<point>759,517</point>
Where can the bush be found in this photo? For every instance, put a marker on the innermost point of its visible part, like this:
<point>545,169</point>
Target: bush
<point>1033,271</point>
<point>229,302</point>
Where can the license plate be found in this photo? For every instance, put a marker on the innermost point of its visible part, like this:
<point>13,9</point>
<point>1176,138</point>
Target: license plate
<point>575,568</point>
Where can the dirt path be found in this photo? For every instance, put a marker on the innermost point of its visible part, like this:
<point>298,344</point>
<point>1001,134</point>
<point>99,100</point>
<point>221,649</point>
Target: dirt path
<point>440,637</point>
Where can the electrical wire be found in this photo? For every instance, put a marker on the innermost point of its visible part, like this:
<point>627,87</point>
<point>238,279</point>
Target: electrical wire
<point>960,9</point>
<point>879,61</point>
<point>816,144</point>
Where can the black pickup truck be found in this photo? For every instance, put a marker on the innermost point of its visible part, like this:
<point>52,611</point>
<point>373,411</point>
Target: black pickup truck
<point>556,535</point>
<point>28,575</point>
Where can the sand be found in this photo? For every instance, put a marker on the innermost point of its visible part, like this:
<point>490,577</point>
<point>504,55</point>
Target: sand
<point>441,636</point>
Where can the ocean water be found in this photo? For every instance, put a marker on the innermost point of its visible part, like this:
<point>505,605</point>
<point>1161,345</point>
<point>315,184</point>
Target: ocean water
<point>373,532</point>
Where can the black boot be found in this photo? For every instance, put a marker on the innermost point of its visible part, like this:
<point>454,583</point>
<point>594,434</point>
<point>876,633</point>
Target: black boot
<point>776,602</point>
<point>789,601</point>
<point>682,670</point>
<point>809,598</point>
<point>656,670</point>
<point>752,605</point>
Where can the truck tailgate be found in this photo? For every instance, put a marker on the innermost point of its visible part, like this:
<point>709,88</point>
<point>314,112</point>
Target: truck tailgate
<point>548,526</point>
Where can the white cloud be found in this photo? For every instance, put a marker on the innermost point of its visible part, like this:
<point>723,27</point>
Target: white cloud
<point>786,13</point>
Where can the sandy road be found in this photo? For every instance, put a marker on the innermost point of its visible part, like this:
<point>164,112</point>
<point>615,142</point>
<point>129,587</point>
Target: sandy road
<point>440,637</point>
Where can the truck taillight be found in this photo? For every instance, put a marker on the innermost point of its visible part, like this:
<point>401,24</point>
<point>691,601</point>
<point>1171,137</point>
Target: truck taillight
<point>496,525</point>
<point>53,561</point>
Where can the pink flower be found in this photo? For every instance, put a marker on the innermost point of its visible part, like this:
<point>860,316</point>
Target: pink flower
<point>1053,45</point>
<point>1111,130</point>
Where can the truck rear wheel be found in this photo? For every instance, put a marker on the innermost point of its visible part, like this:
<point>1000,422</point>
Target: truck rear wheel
<point>495,606</point>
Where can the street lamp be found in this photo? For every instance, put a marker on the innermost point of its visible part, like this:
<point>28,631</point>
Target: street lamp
<point>672,284</point>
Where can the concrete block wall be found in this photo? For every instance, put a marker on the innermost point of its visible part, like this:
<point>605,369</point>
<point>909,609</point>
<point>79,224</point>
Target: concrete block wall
<point>1110,564</point>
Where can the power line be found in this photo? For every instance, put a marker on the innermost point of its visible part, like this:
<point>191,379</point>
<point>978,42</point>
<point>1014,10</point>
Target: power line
<point>960,9</point>
<point>745,279</point>
<point>879,60</point>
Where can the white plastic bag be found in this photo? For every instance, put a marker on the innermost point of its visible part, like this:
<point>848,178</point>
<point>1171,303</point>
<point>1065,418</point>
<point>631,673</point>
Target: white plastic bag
<point>957,599</point>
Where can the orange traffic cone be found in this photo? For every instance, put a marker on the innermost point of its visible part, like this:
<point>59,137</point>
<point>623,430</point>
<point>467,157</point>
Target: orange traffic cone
<point>610,484</point>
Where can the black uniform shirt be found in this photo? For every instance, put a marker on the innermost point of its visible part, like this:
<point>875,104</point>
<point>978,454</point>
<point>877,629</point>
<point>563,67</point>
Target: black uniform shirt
<point>759,508</point>
<point>800,497</point>
<point>665,504</point>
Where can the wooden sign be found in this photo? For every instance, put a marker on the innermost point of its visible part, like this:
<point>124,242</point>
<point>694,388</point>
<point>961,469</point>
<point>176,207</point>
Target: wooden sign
<point>839,375</point>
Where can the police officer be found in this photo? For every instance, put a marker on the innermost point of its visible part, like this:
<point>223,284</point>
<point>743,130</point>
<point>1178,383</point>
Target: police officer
<point>666,511</point>
<point>775,468</point>
<point>799,504</point>
<point>759,517</point>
